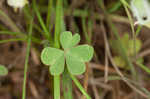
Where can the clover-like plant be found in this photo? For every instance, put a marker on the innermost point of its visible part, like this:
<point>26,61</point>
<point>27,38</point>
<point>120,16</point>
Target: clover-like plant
<point>129,48</point>
<point>3,70</point>
<point>72,54</point>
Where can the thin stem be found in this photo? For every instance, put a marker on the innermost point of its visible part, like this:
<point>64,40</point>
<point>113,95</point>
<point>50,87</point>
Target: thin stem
<point>12,40</point>
<point>27,60</point>
<point>58,23</point>
<point>57,87</point>
<point>12,33</point>
<point>67,84</point>
<point>57,45</point>
<point>138,30</point>
<point>49,13</point>
<point>85,31</point>
<point>21,37</point>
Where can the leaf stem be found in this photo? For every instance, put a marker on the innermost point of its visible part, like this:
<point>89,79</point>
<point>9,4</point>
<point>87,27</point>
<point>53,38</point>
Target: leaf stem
<point>67,85</point>
<point>27,59</point>
<point>58,23</point>
<point>57,45</point>
<point>49,14</point>
<point>57,87</point>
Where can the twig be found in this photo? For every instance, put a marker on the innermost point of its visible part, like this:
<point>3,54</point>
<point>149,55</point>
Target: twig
<point>144,53</point>
<point>86,78</point>
<point>106,56</point>
<point>101,67</point>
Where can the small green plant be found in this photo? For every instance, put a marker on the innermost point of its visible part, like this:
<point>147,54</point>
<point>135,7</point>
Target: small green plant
<point>74,56</point>
<point>128,45</point>
<point>3,70</point>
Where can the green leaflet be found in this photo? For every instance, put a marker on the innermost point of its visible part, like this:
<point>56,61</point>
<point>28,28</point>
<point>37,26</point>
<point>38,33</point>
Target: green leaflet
<point>68,41</point>
<point>58,67</point>
<point>82,52</point>
<point>75,66</point>
<point>3,70</point>
<point>76,58</point>
<point>55,58</point>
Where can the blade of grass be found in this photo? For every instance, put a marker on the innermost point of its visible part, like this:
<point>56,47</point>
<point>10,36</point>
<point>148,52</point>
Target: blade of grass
<point>49,13</point>
<point>27,13</point>
<point>27,60</point>
<point>145,68</point>
<point>22,35</point>
<point>12,33</point>
<point>58,22</point>
<point>138,30</point>
<point>80,86</point>
<point>85,30</point>
<point>125,3</point>
<point>115,7</point>
<point>12,40</point>
<point>6,19</point>
<point>46,32</point>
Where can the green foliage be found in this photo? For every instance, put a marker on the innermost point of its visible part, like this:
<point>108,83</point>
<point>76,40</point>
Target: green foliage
<point>119,61</point>
<point>114,6</point>
<point>75,56</point>
<point>68,41</point>
<point>129,47</point>
<point>3,70</point>
<point>55,58</point>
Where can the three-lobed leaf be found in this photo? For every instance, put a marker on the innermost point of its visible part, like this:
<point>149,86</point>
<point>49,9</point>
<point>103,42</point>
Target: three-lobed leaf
<point>75,56</point>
